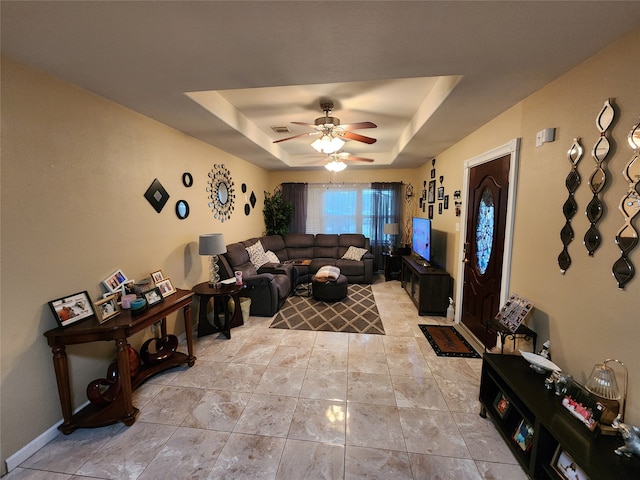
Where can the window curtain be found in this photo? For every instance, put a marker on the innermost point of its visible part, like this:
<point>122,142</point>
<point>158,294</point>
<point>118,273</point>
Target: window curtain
<point>387,208</point>
<point>296,193</point>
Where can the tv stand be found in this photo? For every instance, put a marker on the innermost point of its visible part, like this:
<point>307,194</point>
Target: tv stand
<point>428,286</point>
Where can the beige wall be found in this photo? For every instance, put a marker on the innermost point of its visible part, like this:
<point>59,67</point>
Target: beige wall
<point>75,166</point>
<point>74,170</point>
<point>586,316</point>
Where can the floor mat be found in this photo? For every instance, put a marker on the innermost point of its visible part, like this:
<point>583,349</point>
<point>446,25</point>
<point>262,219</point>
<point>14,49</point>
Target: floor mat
<point>446,341</point>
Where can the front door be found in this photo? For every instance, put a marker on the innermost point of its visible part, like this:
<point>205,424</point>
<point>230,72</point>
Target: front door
<point>486,220</point>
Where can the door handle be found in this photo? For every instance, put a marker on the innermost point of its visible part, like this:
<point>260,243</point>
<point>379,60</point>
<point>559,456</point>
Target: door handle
<point>465,250</point>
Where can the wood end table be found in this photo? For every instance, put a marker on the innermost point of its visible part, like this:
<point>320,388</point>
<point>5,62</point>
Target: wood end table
<point>220,295</point>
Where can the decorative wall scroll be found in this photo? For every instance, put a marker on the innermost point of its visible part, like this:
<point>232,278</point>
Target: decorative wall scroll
<point>627,236</point>
<point>221,192</point>
<point>598,177</point>
<point>570,206</point>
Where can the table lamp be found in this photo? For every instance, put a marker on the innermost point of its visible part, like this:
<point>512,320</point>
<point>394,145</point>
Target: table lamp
<point>212,244</point>
<point>392,230</point>
<point>603,384</point>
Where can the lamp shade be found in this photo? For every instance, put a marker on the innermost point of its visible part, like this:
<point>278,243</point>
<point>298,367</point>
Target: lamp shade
<point>391,229</point>
<point>335,166</point>
<point>602,382</point>
<point>211,244</point>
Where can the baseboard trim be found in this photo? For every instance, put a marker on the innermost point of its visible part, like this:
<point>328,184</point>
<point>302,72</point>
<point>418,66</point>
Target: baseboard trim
<point>41,440</point>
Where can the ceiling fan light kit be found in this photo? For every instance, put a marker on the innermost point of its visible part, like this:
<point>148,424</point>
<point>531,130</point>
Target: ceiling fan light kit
<point>335,166</point>
<point>327,144</point>
<point>332,133</point>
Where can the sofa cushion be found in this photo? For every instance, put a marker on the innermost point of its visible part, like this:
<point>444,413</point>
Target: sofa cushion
<point>257,254</point>
<point>347,240</point>
<point>299,245</point>
<point>326,245</point>
<point>354,253</point>
<point>271,257</point>
<point>275,244</point>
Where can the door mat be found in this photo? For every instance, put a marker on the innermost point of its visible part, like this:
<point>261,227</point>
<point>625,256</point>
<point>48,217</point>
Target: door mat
<point>357,313</point>
<point>446,341</point>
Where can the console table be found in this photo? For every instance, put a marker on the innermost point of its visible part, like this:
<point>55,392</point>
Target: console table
<point>429,287</point>
<point>117,329</point>
<point>554,429</point>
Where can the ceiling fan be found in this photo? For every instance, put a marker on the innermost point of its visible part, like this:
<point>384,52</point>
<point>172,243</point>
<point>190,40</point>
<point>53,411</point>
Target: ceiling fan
<point>335,161</point>
<point>331,132</point>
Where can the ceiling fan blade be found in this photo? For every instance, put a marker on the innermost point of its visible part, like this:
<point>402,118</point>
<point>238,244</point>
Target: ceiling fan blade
<point>295,136</point>
<point>358,137</point>
<point>357,126</point>
<point>360,159</point>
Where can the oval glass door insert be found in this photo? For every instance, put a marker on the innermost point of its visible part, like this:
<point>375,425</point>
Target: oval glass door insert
<point>484,230</point>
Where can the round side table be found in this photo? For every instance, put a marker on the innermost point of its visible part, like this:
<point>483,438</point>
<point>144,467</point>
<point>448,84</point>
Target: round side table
<point>221,296</point>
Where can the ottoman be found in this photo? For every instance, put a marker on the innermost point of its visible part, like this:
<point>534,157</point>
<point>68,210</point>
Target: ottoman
<point>330,290</point>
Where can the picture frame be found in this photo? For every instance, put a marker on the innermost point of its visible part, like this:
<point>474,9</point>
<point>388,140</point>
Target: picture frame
<point>71,309</point>
<point>523,435</point>
<point>157,276</point>
<point>439,208</point>
<point>107,308</point>
<point>563,464</point>
<point>440,193</point>
<point>430,212</point>
<point>166,287</point>
<point>433,173</point>
<point>153,296</point>
<point>431,194</point>
<point>446,202</point>
<point>502,405</point>
<point>114,282</point>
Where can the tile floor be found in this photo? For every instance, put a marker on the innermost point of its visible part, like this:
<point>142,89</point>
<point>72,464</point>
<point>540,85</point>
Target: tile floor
<point>281,404</point>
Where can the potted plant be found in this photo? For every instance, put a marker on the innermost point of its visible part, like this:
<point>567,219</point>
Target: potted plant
<point>277,213</point>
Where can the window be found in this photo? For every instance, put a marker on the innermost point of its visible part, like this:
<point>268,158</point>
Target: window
<point>345,208</point>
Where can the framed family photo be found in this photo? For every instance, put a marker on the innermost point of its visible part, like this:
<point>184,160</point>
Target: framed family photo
<point>566,467</point>
<point>71,309</point>
<point>523,436</point>
<point>107,308</point>
<point>153,296</point>
<point>502,405</point>
<point>157,276</point>
<point>166,287</point>
<point>115,281</point>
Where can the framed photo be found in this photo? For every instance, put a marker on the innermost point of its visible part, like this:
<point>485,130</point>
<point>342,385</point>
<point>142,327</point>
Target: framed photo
<point>157,276</point>
<point>107,308</point>
<point>440,193</point>
<point>566,467</point>
<point>71,309</point>
<point>523,436</point>
<point>446,202</point>
<point>439,208</point>
<point>502,405</point>
<point>433,173</point>
<point>115,281</point>
<point>431,212</point>
<point>153,296</point>
<point>431,194</point>
<point>166,287</point>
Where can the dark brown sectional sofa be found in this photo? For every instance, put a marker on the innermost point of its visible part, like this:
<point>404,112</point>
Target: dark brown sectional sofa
<point>271,284</point>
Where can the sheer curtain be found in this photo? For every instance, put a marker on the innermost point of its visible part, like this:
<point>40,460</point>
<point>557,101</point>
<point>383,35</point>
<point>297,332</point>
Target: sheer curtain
<point>296,193</point>
<point>354,208</point>
<point>387,208</point>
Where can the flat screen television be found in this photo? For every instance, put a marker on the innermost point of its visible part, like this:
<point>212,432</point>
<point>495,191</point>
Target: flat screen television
<point>421,238</point>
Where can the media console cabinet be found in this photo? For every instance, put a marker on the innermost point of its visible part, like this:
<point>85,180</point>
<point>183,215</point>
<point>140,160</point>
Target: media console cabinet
<point>555,430</point>
<point>429,287</point>
<point>118,330</point>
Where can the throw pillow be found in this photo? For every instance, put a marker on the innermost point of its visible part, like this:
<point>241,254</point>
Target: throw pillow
<point>257,255</point>
<point>328,272</point>
<point>354,253</point>
<point>272,257</point>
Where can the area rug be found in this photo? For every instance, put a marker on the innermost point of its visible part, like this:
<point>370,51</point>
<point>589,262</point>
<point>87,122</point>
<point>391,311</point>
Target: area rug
<point>446,341</point>
<point>355,314</point>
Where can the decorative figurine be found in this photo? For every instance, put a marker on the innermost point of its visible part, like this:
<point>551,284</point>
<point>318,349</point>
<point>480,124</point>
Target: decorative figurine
<point>631,436</point>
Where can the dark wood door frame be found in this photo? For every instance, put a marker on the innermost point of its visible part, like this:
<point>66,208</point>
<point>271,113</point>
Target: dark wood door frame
<point>512,149</point>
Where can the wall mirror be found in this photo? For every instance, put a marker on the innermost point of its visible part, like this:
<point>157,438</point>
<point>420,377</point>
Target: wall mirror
<point>221,192</point>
